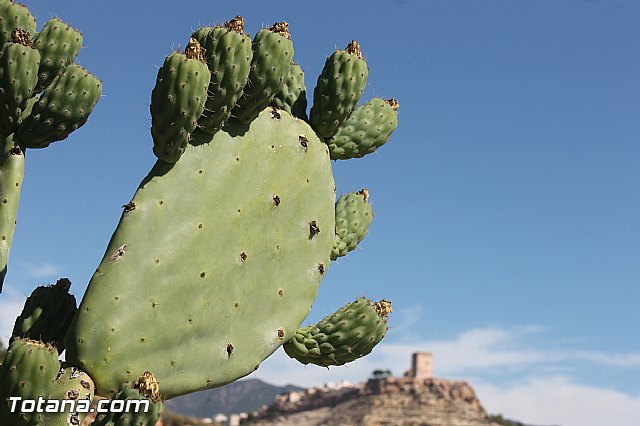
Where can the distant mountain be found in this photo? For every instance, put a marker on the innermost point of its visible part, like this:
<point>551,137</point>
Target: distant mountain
<point>237,397</point>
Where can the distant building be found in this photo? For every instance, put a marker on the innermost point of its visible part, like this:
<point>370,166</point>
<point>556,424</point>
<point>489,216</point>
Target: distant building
<point>421,365</point>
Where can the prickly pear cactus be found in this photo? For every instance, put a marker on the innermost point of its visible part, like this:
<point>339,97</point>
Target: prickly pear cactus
<point>71,384</point>
<point>342,337</point>
<point>233,274</point>
<point>143,392</point>
<point>28,371</point>
<point>47,314</point>
<point>218,257</point>
<point>44,97</point>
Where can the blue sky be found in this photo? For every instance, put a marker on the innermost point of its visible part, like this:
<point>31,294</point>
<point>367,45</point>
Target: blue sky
<point>507,227</point>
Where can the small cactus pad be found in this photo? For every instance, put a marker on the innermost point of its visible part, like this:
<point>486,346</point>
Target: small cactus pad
<point>367,129</point>
<point>177,101</point>
<point>272,54</point>
<point>15,16</point>
<point>348,334</point>
<point>71,384</point>
<point>228,55</point>
<point>353,217</point>
<point>18,77</point>
<point>143,394</point>
<point>47,314</point>
<point>28,371</point>
<point>339,88</point>
<point>226,249</point>
<point>11,176</point>
<point>58,44</point>
<point>63,107</point>
<point>293,94</point>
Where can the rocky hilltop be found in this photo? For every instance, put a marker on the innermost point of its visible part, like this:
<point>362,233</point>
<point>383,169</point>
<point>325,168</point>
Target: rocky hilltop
<point>387,401</point>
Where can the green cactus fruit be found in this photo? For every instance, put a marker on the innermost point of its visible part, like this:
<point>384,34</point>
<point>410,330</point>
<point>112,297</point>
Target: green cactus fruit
<point>76,387</point>
<point>47,314</point>
<point>143,394</point>
<point>339,88</point>
<point>226,248</point>
<point>177,101</point>
<point>367,129</point>
<point>350,333</point>
<point>15,16</point>
<point>353,217</point>
<point>28,372</point>
<point>19,63</point>
<point>228,55</point>
<point>59,45</point>
<point>272,53</point>
<point>293,94</point>
<point>63,107</point>
<point>11,176</point>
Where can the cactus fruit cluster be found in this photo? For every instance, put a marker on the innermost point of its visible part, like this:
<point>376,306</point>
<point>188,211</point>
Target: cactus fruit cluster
<point>218,257</point>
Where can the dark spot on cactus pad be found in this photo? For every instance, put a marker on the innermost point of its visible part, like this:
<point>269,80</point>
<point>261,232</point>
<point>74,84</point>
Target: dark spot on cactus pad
<point>280,292</point>
<point>203,274</point>
<point>15,151</point>
<point>303,141</point>
<point>237,304</point>
<point>321,269</point>
<point>200,226</point>
<point>120,251</point>
<point>280,333</point>
<point>313,229</point>
<point>243,256</point>
<point>275,114</point>
<point>73,394</point>
<point>85,384</point>
<point>129,206</point>
<point>229,349</point>
<point>276,200</point>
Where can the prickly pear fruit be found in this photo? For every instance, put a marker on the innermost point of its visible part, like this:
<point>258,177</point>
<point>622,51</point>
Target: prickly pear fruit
<point>19,63</point>
<point>11,176</point>
<point>58,44</point>
<point>177,101</point>
<point>293,94</point>
<point>71,384</point>
<point>226,248</point>
<point>63,107</point>
<point>339,88</point>
<point>228,54</point>
<point>353,217</point>
<point>145,392</point>
<point>47,314</point>
<point>15,16</point>
<point>28,371</point>
<point>348,334</point>
<point>272,53</point>
<point>367,129</point>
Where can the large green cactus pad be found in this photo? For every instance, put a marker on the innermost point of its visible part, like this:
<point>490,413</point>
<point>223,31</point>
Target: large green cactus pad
<point>215,262</point>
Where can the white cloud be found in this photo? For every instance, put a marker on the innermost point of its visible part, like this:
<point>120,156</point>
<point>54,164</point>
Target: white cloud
<point>11,305</point>
<point>40,271</point>
<point>559,400</point>
<point>546,395</point>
